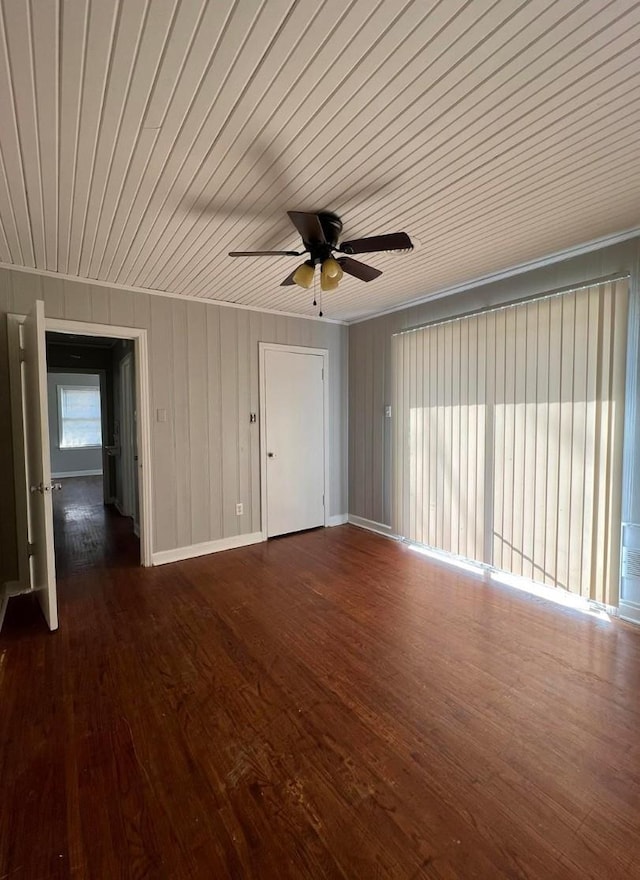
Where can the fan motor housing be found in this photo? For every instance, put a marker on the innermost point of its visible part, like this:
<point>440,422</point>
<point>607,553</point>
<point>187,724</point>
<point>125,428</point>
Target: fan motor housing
<point>331,226</point>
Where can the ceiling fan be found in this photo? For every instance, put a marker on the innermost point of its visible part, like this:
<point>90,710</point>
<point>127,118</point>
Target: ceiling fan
<point>320,234</point>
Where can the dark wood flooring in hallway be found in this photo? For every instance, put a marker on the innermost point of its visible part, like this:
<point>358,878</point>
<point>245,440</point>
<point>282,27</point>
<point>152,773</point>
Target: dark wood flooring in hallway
<point>89,534</point>
<point>326,705</point>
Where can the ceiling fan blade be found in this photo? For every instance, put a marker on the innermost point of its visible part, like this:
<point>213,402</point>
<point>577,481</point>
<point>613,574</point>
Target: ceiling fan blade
<point>395,241</point>
<point>264,254</point>
<point>309,226</point>
<point>358,269</point>
<point>289,279</point>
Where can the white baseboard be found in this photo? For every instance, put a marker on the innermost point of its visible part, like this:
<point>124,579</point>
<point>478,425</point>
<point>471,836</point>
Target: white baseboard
<point>164,556</point>
<point>339,519</point>
<point>372,526</point>
<point>61,474</point>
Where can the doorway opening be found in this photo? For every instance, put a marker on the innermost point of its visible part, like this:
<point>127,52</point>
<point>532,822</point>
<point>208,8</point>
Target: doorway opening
<point>34,486</point>
<point>93,448</point>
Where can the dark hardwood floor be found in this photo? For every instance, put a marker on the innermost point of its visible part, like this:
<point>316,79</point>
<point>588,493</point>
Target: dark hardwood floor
<point>326,705</point>
<point>89,534</point>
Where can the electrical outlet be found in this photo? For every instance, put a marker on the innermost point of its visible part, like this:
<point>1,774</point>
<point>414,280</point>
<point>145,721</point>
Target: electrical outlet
<point>239,509</point>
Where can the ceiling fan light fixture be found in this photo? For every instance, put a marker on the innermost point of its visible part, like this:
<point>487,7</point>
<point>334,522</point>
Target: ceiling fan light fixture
<point>303,276</point>
<point>320,235</point>
<point>330,274</point>
<point>332,268</point>
<point>328,284</point>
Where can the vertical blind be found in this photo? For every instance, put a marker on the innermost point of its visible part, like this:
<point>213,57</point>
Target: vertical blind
<point>508,437</point>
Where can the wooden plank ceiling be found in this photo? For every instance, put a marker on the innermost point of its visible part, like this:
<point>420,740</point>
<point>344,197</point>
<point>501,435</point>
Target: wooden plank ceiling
<point>142,140</point>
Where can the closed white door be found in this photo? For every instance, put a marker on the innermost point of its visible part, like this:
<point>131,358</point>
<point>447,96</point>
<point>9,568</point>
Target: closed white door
<point>294,441</point>
<point>38,464</point>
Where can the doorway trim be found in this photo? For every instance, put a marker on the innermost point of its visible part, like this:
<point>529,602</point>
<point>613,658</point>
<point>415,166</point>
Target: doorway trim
<point>263,347</point>
<point>142,402</point>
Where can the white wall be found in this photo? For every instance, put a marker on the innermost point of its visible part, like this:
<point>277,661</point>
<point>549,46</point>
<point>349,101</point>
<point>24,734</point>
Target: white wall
<point>69,461</point>
<point>204,372</point>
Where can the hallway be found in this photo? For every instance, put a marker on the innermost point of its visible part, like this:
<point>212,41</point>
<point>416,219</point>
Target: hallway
<point>89,534</point>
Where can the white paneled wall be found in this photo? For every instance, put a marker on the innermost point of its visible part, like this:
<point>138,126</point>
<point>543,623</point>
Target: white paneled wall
<point>204,372</point>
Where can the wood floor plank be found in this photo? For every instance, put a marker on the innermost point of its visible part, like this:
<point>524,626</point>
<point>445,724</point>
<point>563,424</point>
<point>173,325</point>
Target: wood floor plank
<point>324,705</point>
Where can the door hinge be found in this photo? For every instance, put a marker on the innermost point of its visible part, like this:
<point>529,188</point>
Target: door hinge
<point>22,356</point>
<point>323,374</point>
<point>323,500</point>
<point>31,548</point>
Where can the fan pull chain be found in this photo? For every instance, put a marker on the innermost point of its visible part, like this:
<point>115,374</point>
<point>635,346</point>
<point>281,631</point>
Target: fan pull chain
<point>315,298</point>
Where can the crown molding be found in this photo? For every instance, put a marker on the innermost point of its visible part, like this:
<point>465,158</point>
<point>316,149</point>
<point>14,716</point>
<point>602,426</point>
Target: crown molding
<point>78,279</point>
<point>557,257</point>
<point>491,278</point>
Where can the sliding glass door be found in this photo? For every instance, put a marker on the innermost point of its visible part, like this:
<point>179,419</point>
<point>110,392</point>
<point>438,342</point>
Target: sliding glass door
<point>508,437</point>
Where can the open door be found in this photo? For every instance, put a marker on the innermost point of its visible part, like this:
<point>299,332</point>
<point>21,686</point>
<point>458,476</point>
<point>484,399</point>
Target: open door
<point>38,463</point>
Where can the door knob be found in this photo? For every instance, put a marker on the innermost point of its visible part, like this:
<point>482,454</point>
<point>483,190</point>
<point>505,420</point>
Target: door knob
<point>41,488</point>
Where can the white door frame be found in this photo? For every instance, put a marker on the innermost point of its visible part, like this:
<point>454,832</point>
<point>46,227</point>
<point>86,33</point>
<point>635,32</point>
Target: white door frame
<point>141,350</point>
<point>263,347</point>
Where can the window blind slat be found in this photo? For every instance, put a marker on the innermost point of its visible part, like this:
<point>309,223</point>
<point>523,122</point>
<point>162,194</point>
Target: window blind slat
<point>541,441</point>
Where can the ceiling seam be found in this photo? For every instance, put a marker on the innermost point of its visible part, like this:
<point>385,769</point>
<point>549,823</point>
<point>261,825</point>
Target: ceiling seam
<point>84,260</point>
<point>162,59</point>
<point>142,272</point>
<point>5,43</point>
<point>185,115</point>
<point>189,150</point>
<point>105,82</point>
<point>34,97</point>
